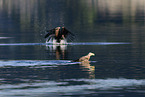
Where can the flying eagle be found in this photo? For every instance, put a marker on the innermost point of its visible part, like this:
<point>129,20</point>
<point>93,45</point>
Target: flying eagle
<point>59,35</point>
<point>85,58</point>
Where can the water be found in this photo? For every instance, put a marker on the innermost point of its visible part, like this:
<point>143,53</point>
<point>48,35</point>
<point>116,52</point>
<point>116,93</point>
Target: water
<point>112,29</point>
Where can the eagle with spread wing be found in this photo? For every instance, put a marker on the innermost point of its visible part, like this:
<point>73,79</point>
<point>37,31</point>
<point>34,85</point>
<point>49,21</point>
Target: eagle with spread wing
<point>59,34</point>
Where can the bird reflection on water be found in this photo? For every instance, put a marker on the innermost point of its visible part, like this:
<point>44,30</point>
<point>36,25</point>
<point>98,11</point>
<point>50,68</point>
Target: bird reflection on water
<point>86,67</point>
<point>60,53</point>
<point>59,50</point>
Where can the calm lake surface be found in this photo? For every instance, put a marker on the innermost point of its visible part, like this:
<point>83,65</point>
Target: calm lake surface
<point>112,29</point>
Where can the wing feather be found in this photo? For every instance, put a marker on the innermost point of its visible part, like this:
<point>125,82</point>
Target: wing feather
<point>50,32</point>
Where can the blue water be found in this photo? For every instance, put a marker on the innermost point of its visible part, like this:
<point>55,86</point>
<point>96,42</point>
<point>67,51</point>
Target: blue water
<point>112,29</point>
<point>65,88</point>
<point>39,78</point>
<point>54,74</point>
<point>78,43</point>
<point>35,63</point>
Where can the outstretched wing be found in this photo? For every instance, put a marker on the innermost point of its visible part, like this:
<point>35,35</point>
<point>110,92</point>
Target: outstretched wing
<point>67,34</point>
<point>63,31</point>
<point>50,32</point>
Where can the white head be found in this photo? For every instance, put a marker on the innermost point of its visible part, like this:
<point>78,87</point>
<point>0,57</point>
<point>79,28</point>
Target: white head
<point>57,28</point>
<point>91,54</point>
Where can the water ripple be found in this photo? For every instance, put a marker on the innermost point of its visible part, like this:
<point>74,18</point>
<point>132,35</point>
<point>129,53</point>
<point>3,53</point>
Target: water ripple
<point>63,87</point>
<point>77,43</point>
<point>35,62</point>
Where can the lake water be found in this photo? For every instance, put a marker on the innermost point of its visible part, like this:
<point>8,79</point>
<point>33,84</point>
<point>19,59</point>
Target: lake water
<point>112,29</point>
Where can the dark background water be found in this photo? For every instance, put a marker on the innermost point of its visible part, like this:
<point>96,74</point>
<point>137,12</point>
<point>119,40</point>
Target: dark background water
<point>25,21</point>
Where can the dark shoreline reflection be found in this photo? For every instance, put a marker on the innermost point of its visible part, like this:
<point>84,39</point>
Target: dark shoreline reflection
<point>32,17</point>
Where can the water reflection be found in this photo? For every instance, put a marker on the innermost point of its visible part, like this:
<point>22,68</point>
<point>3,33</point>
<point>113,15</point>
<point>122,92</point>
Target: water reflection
<point>86,67</point>
<point>59,50</point>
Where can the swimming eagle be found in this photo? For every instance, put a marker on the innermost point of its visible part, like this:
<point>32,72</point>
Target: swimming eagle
<point>85,58</point>
<point>58,35</point>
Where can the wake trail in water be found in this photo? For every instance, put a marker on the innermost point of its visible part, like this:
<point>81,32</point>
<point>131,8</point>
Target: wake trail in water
<point>21,44</point>
<point>98,43</point>
<point>77,43</point>
<point>36,63</point>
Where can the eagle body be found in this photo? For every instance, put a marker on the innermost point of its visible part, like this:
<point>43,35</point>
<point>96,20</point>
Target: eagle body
<point>85,58</point>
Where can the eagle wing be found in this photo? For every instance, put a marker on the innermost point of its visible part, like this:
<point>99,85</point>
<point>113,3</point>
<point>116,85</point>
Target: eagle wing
<point>63,31</point>
<point>67,34</point>
<point>50,32</point>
